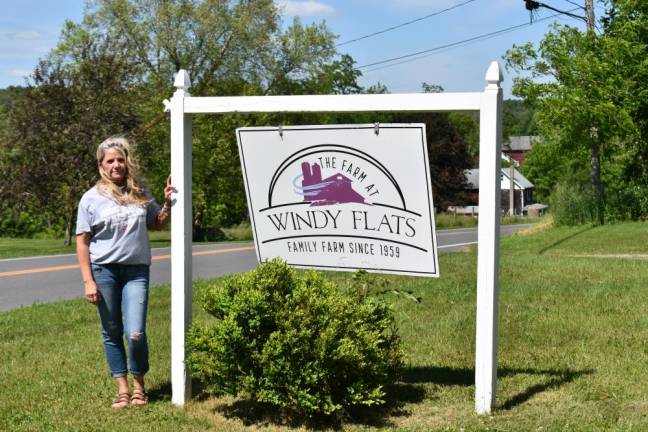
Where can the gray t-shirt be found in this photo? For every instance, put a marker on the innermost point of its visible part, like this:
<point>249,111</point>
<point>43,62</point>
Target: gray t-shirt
<point>119,233</point>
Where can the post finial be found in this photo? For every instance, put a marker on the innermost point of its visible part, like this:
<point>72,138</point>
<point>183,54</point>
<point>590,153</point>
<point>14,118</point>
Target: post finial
<point>494,75</point>
<point>182,81</point>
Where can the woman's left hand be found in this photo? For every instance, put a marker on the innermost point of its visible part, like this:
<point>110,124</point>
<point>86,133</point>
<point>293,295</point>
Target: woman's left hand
<point>165,211</point>
<point>168,190</point>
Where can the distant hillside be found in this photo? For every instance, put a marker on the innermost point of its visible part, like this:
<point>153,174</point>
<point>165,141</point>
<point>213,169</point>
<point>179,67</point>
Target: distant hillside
<point>8,95</point>
<point>518,119</point>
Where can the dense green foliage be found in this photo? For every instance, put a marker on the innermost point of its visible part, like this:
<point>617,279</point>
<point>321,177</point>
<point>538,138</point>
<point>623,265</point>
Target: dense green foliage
<point>52,131</point>
<point>449,155</point>
<point>519,119</point>
<point>548,163</point>
<point>294,341</point>
<point>109,74</point>
<point>573,204</point>
<point>590,93</point>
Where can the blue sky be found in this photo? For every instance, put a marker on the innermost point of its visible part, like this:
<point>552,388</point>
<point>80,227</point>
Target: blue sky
<point>30,28</point>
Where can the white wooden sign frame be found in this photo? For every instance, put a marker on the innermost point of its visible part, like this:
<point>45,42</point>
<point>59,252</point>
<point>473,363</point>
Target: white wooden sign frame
<point>488,103</point>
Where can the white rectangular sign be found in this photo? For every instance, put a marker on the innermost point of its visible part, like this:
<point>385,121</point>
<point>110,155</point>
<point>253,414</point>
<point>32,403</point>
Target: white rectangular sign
<point>341,197</point>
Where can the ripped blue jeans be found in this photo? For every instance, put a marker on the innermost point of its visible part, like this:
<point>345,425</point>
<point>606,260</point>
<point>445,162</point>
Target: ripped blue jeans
<point>122,309</point>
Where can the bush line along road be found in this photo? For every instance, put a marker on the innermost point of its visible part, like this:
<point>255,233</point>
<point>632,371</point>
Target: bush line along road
<point>43,279</point>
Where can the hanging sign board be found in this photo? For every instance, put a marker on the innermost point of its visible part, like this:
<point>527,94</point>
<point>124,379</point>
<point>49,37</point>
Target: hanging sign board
<point>341,197</point>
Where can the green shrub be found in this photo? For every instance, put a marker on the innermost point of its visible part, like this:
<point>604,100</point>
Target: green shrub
<point>240,232</point>
<point>628,203</point>
<point>14,223</point>
<point>573,204</point>
<point>449,220</point>
<point>294,341</point>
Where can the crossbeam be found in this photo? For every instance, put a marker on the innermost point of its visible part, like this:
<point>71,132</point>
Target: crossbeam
<point>335,103</point>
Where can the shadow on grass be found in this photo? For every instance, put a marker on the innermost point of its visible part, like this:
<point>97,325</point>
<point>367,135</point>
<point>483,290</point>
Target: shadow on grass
<point>409,390</point>
<point>446,376</point>
<point>439,375</point>
<point>259,414</point>
<point>160,392</point>
<point>564,239</point>
<point>554,379</point>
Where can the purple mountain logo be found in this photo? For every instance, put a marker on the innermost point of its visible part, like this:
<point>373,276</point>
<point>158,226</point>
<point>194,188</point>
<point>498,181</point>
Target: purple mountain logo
<point>335,189</point>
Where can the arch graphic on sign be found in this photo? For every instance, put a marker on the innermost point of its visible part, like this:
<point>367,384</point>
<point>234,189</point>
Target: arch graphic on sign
<point>333,148</point>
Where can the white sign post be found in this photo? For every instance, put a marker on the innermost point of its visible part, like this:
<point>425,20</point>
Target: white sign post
<point>489,103</point>
<point>490,149</point>
<point>181,236</point>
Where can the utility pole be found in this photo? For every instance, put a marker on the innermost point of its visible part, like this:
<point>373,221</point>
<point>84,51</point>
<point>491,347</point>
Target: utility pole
<point>596,148</point>
<point>511,200</point>
<point>512,188</point>
<point>589,15</point>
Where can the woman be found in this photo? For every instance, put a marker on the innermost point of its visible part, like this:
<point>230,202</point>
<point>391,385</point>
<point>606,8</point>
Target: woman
<point>114,256</point>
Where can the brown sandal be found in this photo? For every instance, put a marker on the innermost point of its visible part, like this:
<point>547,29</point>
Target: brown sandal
<point>139,398</point>
<point>121,401</point>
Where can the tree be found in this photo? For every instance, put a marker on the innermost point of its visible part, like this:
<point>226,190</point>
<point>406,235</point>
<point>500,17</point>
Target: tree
<point>519,119</point>
<point>449,157</point>
<point>54,129</point>
<point>448,152</point>
<point>573,81</point>
<point>548,164</point>
<point>230,48</point>
<point>627,23</point>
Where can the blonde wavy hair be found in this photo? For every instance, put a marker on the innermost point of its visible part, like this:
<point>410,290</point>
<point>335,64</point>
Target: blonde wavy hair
<point>134,192</point>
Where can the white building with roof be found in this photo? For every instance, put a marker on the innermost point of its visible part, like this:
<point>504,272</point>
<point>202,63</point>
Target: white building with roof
<point>522,187</point>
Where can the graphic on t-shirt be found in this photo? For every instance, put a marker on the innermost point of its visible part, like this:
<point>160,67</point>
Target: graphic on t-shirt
<point>122,218</point>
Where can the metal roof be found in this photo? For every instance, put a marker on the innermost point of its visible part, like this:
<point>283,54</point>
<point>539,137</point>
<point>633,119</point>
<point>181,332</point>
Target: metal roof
<point>520,143</point>
<point>521,182</point>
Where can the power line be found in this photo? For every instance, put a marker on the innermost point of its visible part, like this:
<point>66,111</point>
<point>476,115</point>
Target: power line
<point>575,4</point>
<point>532,5</point>
<point>405,23</point>
<point>449,47</point>
<point>418,55</point>
<point>588,19</point>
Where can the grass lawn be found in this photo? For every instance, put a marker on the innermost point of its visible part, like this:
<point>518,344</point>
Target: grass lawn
<point>449,220</point>
<point>572,349</point>
<point>24,247</point>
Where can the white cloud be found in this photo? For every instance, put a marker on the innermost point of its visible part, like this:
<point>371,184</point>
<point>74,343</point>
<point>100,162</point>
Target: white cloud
<point>25,35</point>
<point>304,8</point>
<point>20,73</point>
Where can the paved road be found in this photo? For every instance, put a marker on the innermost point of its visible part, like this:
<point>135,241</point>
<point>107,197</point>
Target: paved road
<point>24,281</point>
